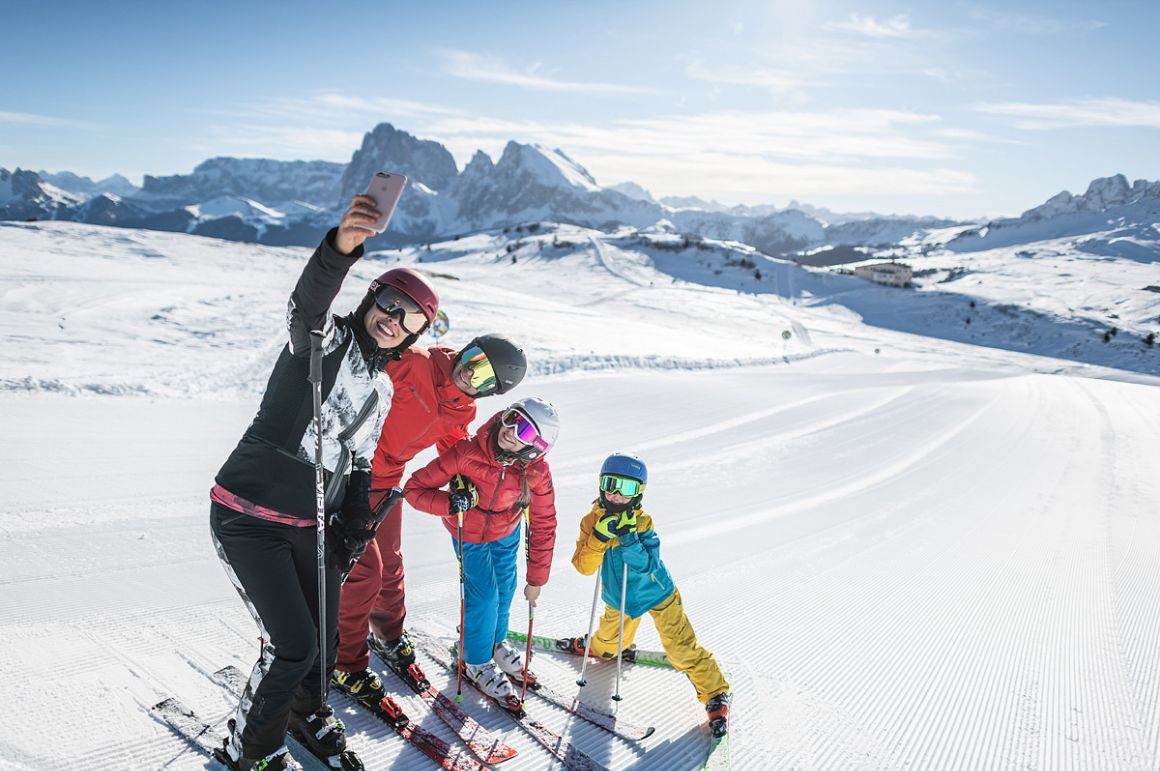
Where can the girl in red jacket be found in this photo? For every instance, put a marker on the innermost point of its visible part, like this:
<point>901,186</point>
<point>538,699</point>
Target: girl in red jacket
<point>494,476</point>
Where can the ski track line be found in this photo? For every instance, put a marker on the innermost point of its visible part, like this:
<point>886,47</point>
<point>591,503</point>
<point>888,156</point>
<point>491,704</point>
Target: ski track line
<point>700,433</point>
<point>881,476</point>
<point>783,437</point>
<point>606,263</point>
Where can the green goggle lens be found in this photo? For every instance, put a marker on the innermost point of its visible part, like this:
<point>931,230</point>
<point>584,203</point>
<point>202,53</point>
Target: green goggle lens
<point>629,488</point>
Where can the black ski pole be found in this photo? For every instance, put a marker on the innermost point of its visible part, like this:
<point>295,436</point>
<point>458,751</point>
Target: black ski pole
<point>315,378</point>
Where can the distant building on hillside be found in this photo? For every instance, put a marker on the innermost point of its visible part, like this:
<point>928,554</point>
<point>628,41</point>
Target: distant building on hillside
<point>888,273</point>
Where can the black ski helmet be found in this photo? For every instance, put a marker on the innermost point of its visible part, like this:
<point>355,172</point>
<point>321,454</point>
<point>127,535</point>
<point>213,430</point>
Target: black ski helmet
<point>507,360</point>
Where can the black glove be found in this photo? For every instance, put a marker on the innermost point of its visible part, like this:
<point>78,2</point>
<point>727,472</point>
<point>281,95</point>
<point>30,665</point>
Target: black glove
<point>353,526</point>
<point>464,495</point>
<point>458,503</point>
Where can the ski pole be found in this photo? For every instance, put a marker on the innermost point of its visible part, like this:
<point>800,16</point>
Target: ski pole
<point>588,638</point>
<point>315,378</point>
<point>462,614</point>
<point>531,605</point>
<point>620,638</point>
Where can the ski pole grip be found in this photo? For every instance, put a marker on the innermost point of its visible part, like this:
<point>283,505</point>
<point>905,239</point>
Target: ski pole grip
<point>315,375</point>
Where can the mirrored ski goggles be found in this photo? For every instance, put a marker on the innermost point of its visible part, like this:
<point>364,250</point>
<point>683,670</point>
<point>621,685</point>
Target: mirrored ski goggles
<point>482,375</point>
<point>525,430</point>
<point>392,301</point>
<point>629,488</point>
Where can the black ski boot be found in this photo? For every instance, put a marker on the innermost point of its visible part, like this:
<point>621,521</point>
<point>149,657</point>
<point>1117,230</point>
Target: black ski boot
<point>399,653</point>
<point>324,736</point>
<point>718,709</point>
<point>365,686</point>
<point>278,760</point>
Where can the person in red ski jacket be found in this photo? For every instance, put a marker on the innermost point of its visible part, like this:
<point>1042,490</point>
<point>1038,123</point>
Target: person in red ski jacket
<point>495,477</point>
<point>433,403</point>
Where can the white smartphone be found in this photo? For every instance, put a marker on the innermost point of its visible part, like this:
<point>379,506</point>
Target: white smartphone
<point>385,189</point>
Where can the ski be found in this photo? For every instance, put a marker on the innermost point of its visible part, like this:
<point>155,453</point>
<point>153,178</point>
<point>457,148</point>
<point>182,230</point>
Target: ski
<point>596,717</point>
<point>487,747</point>
<point>561,749</point>
<point>184,721</point>
<point>389,711</point>
<point>717,758</point>
<point>632,655</point>
<point>235,682</point>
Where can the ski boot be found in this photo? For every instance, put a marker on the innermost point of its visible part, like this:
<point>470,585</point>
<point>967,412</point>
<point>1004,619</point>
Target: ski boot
<point>718,709</point>
<point>325,737</point>
<point>399,655</point>
<point>365,687</point>
<point>492,681</point>
<point>576,645</point>
<point>278,760</point>
<point>511,661</point>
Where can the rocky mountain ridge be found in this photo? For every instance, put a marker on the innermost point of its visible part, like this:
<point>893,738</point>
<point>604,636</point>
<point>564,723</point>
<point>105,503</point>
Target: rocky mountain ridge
<point>289,202</point>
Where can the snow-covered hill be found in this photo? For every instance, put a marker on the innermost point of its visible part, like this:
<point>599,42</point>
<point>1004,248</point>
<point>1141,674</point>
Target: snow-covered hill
<point>906,551</point>
<point>1126,214</point>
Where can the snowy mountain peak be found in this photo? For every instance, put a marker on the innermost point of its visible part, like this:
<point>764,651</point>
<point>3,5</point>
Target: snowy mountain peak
<point>634,191</point>
<point>259,178</point>
<point>1102,194</point>
<point>1107,191</point>
<point>693,202</point>
<point>115,185</point>
<point>386,148</point>
<point>550,168</point>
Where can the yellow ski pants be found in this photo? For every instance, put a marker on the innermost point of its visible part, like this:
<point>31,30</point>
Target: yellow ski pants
<point>677,637</point>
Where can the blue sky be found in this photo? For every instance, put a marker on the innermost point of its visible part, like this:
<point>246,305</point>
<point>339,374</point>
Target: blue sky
<point>955,109</point>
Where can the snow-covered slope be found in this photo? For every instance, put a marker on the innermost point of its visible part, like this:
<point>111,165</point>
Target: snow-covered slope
<point>906,552</point>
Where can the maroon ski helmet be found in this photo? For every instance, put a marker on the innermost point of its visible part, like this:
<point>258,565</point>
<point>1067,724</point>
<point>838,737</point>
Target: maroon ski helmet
<point>413,284</point>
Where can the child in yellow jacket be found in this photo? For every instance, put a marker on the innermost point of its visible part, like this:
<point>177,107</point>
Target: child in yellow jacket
<point>617,533</point>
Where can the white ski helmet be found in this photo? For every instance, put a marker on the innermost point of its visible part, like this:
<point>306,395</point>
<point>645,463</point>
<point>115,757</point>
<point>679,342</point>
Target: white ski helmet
<point>544,417</point>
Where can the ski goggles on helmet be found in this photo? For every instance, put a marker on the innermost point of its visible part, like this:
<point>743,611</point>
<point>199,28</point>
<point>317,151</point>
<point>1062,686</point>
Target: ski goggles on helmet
<point>392,301</point>
<point>475,361</point>
<point>525,430</point>
<point>629,488</point>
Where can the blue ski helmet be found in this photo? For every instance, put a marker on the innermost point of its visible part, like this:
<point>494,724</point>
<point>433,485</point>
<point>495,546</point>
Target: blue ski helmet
<point>624,464</point>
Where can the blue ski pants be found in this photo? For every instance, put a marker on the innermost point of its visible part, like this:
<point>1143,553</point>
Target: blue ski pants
<point>489,572</point>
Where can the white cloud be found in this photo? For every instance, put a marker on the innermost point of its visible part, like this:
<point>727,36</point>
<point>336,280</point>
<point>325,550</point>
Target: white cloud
<point>777,80</point>
<point>469,66</point>
<point>1107,111</point>
<point>337,108</point>
<point>292,142</point>
<point>746,178</point>
<point>735,154</point>
<point>894,27</point>
<point>29,119</point>
<point>847,134</point>
<point>1030,24</point>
